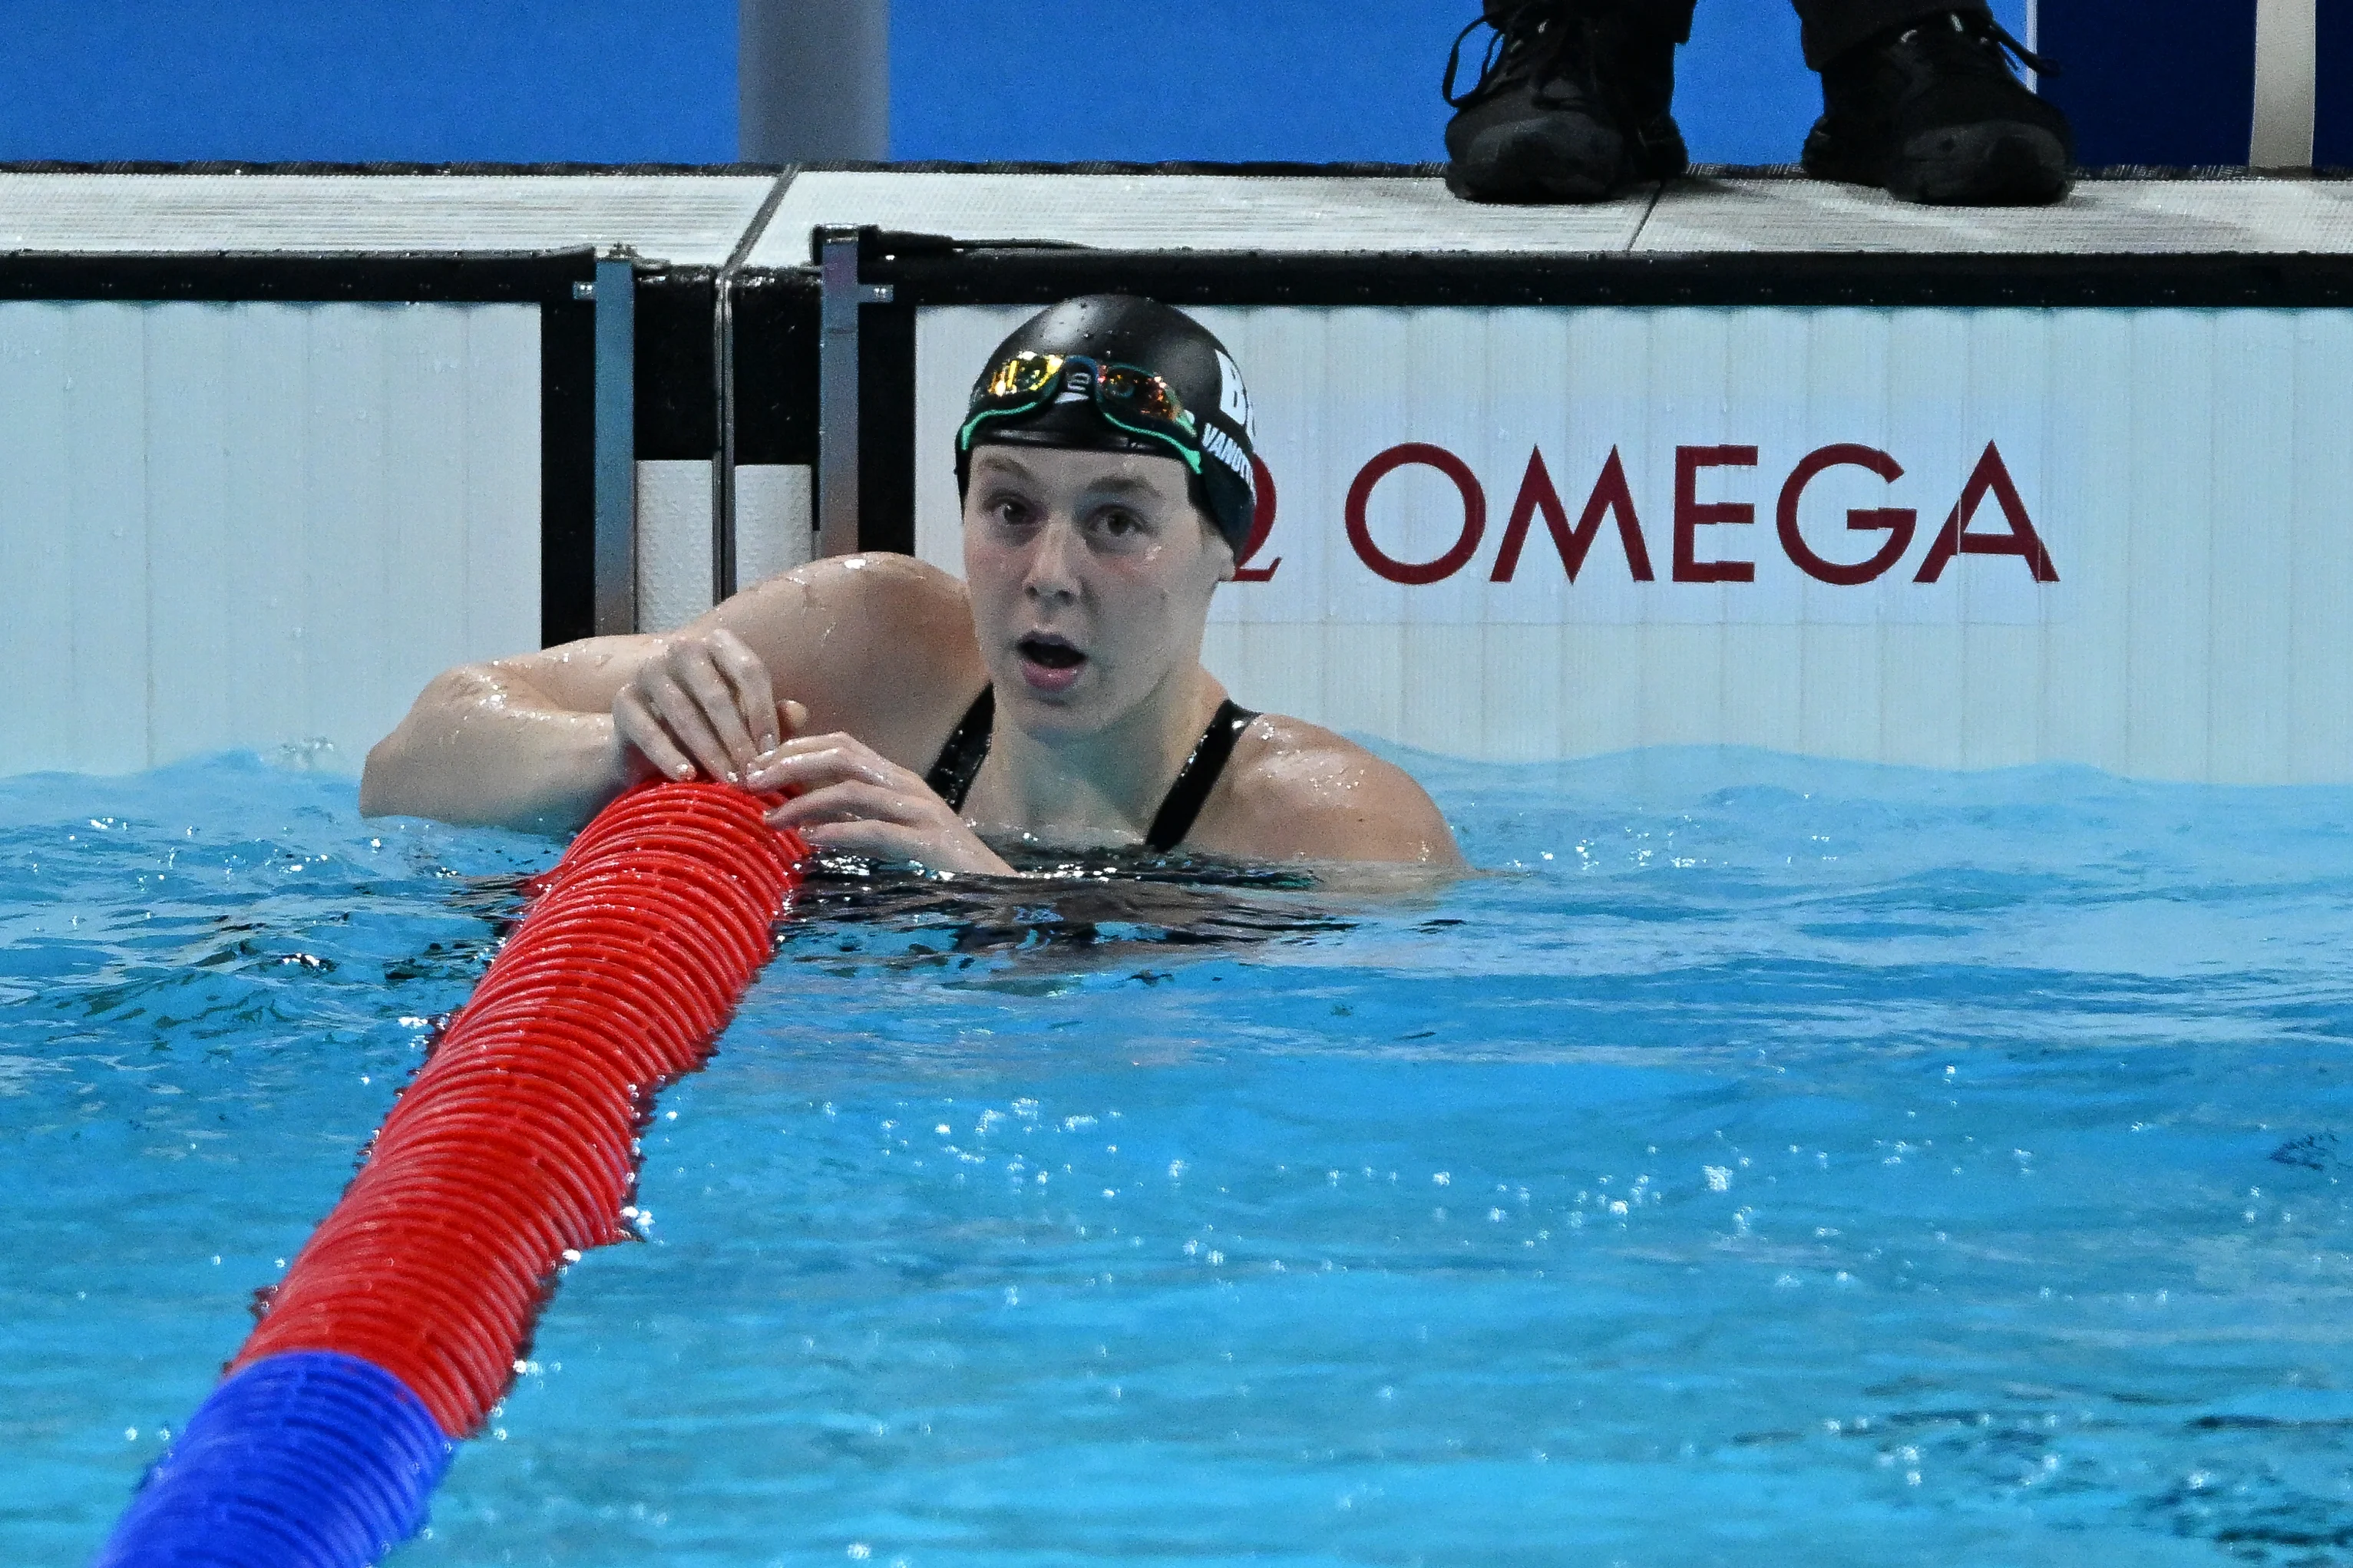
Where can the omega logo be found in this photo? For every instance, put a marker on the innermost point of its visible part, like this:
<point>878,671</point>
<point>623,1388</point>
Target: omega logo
<point>1611,499</point>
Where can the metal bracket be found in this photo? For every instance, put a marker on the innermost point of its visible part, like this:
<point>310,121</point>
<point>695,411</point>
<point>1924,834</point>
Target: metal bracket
<point>838,437</point>
<point>616,469</point>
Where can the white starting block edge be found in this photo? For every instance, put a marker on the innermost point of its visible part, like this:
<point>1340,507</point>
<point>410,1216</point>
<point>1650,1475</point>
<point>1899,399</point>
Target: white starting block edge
<point>1410,212</point>
<point>705,217</point>
<point>683,220</point>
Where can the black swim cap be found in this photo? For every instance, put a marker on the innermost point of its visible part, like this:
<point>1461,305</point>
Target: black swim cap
<point>1213,432</point>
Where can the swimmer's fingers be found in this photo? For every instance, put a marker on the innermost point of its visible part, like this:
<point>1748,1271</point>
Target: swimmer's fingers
<point>899,824</point>
<point>696,668</point>
<point>859,800</point>
<point>754,697</point>
<point>635,722</point>
<point>853,820</point>
<point>812,762</point>
<point>792,718</point>
<point>683,716</point>
<point>882,841</point>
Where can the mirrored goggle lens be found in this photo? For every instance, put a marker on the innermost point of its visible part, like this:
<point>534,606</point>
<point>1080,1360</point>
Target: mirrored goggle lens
<point>1026,375</point>
<point>1141,394</point>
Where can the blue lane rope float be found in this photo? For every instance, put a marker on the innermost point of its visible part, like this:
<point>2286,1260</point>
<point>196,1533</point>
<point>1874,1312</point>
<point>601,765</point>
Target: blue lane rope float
<point>308,1457</point>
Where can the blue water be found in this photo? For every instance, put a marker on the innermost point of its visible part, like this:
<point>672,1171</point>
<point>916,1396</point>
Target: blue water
<point>1770,1161</point>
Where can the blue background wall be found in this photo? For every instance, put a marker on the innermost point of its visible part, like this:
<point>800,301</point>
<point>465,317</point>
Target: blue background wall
<point>1314,80</point>
<point>362,79</point>
<point>2178,90</point>
<point>2332,128</point>
<point>635,80</point>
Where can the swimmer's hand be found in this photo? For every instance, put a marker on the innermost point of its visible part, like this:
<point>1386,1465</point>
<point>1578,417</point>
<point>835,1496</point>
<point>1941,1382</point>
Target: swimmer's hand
<point>847,796</point>
<point>701,705</point>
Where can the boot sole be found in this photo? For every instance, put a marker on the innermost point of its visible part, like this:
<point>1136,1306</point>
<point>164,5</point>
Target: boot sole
<point>1491,184</point>
<point>1526,191</point>
<point>1549,167</point>
<point>1994,165</point>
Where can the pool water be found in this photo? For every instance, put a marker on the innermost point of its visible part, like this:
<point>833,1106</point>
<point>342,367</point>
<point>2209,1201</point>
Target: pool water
<point>1769,1162</point>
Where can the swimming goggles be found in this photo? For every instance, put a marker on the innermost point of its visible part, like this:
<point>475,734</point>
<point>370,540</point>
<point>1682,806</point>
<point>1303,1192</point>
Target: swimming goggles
<point>1128,398</point>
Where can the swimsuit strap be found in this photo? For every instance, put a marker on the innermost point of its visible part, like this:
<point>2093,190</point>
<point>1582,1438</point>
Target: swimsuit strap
<point>1199,776</point>
<point>968,747</point>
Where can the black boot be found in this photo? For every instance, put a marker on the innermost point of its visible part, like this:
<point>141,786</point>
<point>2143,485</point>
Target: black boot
<point>1933,112</point>
<point>1570,103</point>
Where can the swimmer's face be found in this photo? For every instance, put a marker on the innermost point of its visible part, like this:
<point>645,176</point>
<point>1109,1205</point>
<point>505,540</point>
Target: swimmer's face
<point>1091,574</point>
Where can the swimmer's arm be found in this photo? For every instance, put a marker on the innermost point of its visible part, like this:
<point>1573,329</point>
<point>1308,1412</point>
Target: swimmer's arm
<point>524,743</point>
<point>877,646</point>
<point>1304,793</point>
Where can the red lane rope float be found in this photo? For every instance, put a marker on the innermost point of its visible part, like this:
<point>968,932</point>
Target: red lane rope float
<point>513,1149</point>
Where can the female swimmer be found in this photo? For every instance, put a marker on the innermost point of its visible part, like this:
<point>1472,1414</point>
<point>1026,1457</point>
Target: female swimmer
<point>1056,692</point>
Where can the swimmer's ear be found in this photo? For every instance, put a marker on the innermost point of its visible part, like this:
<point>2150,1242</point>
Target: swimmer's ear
<point>1219,545</point>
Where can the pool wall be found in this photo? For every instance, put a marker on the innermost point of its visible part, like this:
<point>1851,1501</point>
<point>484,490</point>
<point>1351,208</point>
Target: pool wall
<point>277,446</point>
<point>257,523</point>
<point>1941,537</point>
<point>1746,461</point>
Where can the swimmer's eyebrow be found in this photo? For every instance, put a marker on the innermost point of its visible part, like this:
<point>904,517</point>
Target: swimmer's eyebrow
<point>1002,462</point>
<point>998,458</point>
<point>1123,485</point>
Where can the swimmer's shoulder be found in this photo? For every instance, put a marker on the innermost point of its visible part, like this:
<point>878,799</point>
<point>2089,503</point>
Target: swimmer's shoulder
<point>866,592</point>
<point>877,645</point>
<point>1295,791</point>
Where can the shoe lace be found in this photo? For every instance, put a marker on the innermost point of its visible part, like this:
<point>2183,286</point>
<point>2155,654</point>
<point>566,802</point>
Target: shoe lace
<point>1974,33</point>
<point>1533,39</point>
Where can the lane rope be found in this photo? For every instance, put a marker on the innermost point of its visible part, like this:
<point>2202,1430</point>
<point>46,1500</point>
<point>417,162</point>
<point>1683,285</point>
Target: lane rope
<point>406,1315</point>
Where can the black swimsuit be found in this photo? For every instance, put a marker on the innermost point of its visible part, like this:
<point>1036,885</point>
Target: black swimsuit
<point>968,747</point>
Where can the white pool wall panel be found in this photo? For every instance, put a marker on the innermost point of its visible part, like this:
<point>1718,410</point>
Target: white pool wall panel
<point>2186,469</point>
<point>775,520</point>
<point>674,576</point>
<point>775,508</point>
<point>256,526</point>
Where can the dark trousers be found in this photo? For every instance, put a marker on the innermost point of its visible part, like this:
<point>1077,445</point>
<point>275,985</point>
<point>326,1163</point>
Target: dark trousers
<point>1831,26</point>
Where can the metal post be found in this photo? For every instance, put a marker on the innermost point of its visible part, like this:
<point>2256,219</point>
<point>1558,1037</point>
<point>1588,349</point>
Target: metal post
<point>837,390</point>
<point>813,79</point>
<point>723,362</point>
<point>616,448</point>
<point>2286,45</point>
<point>722,454</point>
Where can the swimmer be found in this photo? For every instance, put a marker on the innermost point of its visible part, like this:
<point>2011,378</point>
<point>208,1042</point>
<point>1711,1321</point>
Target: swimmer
<point>1056,694</point>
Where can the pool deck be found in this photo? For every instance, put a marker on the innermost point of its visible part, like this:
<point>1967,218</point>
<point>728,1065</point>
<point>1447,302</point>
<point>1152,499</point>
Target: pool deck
<point>763,217</point>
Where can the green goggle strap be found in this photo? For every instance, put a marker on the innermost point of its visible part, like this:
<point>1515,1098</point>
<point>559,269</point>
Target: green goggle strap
<point>1192,458</point>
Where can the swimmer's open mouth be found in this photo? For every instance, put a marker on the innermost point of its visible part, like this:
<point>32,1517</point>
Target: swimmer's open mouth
<point>1049,651</point>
